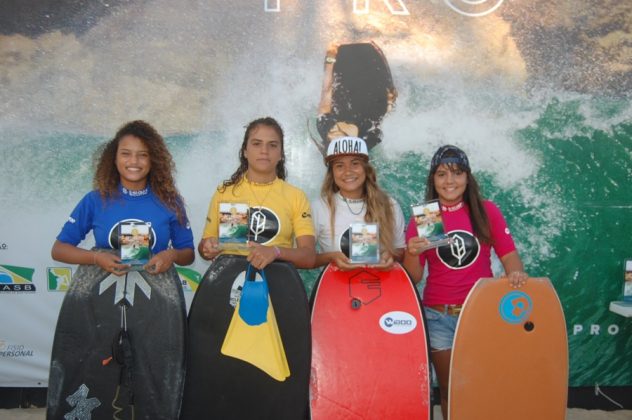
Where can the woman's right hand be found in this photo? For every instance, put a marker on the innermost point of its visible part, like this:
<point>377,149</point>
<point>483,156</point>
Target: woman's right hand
<point>110,263</point>
<point>417,245</point>
<point>209,248</point>
<point>343,263</point>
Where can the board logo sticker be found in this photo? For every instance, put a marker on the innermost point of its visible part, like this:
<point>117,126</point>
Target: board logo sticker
<point>515,307</point>
<point>398,322</point>
<point>83,405</point>
<point>125,287</point>
<point>237,287</point>
<point>365,287</point>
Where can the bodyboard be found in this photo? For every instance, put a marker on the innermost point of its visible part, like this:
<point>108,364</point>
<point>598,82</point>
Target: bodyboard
<point>225,387</point>
<point>370,353</point>
<point>85,380</point>
<point>510,353</point>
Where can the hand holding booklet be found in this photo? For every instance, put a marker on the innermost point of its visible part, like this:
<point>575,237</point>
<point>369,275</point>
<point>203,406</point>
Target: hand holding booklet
<point>430,224</point>
<point>365,243</point>
<point>134,244</point>
<point>233,225</point>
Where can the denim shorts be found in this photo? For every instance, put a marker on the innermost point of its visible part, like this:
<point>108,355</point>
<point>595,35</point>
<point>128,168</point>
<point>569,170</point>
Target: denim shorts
<point>441,329</point>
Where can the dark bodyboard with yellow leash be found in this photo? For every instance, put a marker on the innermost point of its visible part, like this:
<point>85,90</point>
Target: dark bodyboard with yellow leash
<point>249,351</point>
<point>119,347</point>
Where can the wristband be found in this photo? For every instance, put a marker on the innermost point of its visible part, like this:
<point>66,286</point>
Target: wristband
<point>277,252</point>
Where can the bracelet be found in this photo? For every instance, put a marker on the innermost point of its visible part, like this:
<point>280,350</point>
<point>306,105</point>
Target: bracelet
<point>94,257</point>
<point>277,252</point>
<point>330,60</point>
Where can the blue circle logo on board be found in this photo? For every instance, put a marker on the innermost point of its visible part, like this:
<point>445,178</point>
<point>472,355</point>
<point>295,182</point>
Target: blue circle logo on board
<point>515,307</point>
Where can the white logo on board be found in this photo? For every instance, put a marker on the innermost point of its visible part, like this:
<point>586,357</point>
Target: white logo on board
<point>398,322</point>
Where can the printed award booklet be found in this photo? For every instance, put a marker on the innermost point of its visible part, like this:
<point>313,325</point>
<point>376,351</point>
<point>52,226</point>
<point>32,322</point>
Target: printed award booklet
<point>627,281</point>
<point>365,243</point>
<point>233,225</point>
<point>429,223</point>
<point>134,244</point>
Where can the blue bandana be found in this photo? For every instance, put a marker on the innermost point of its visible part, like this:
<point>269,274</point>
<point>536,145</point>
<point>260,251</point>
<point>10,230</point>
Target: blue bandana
<point>454,155</point>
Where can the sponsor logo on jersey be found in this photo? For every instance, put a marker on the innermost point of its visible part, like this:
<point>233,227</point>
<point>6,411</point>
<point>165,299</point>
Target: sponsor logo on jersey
<point>398,322</point>
<point>264,225</point>
<point>461,252</point>
<point>58,278</point>
<point>16,279</point>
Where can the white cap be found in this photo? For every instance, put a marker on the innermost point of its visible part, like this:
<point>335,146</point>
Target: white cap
<point>347,146</point>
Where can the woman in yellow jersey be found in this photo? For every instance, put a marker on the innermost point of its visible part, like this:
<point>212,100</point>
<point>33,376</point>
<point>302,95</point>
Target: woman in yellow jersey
<point>279,212</point>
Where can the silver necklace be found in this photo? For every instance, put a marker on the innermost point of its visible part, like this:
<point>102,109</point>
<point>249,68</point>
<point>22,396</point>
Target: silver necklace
<point>350,200</point>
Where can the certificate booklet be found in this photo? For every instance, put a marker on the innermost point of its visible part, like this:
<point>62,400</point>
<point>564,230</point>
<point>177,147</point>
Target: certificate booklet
<point>627,281</point>
<point>134,240</point>
<point>429,223</point>
<point>365,243</point>
<point>233,225</point>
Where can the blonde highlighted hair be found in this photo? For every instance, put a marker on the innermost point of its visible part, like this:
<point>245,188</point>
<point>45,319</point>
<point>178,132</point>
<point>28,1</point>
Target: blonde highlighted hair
<point>378,205</point>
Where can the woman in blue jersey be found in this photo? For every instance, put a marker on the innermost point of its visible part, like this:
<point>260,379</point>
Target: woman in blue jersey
<point>133,184</point>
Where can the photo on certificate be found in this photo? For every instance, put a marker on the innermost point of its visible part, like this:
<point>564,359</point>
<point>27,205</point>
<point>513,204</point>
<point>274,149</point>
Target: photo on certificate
<point>365,243</point>
<point>233,225</point>
<point>627,280</point>
<point>134,244</point>
<point>430,224</point>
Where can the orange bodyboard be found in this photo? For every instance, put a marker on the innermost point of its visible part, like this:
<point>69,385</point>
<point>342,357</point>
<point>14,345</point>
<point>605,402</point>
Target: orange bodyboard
<point>510,353</point>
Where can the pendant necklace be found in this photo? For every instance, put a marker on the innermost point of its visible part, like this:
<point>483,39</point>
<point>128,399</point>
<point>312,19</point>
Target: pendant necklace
<point>353,201</point>
<point>258,218</point>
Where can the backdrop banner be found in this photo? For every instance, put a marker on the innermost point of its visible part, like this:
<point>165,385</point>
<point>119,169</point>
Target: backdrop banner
<point>537,93</point>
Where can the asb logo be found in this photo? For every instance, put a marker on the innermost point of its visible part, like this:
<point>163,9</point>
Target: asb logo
<point>515,307</point>
<point>189,278</point>
<point>16,279</point>
<point>398,322</point>
<point>58,278</point>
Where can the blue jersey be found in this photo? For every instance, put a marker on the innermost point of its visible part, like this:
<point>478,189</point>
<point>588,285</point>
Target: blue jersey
<point>105,217</point>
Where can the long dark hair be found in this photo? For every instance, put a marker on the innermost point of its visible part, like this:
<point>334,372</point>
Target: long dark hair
<point>471,196</point>
<point>160,179</point>
<point>281,172</point>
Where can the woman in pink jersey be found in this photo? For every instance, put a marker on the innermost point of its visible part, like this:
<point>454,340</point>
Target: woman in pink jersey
<point>475,226</point>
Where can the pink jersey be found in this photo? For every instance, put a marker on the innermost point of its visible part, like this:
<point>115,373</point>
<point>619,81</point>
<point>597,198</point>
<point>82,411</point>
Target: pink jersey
<point>453,269</point>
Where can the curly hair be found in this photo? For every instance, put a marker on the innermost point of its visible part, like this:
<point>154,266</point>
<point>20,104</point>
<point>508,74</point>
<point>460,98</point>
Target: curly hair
<point>378,205</point>
<point>160,179</point>
<point>281,172</point>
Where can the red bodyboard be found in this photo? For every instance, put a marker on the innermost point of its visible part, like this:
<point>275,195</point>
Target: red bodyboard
<point>369,347</point>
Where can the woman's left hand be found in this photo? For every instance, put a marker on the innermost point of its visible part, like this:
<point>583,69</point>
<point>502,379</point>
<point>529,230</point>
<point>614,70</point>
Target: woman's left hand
<point>160,262</point>
<point>386,262</point>
<point>261,255</point>
<point>517,279</point>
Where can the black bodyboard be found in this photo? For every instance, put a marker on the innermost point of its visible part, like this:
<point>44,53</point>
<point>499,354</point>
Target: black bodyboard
<point>86,381</point>
<point>222,387</point>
